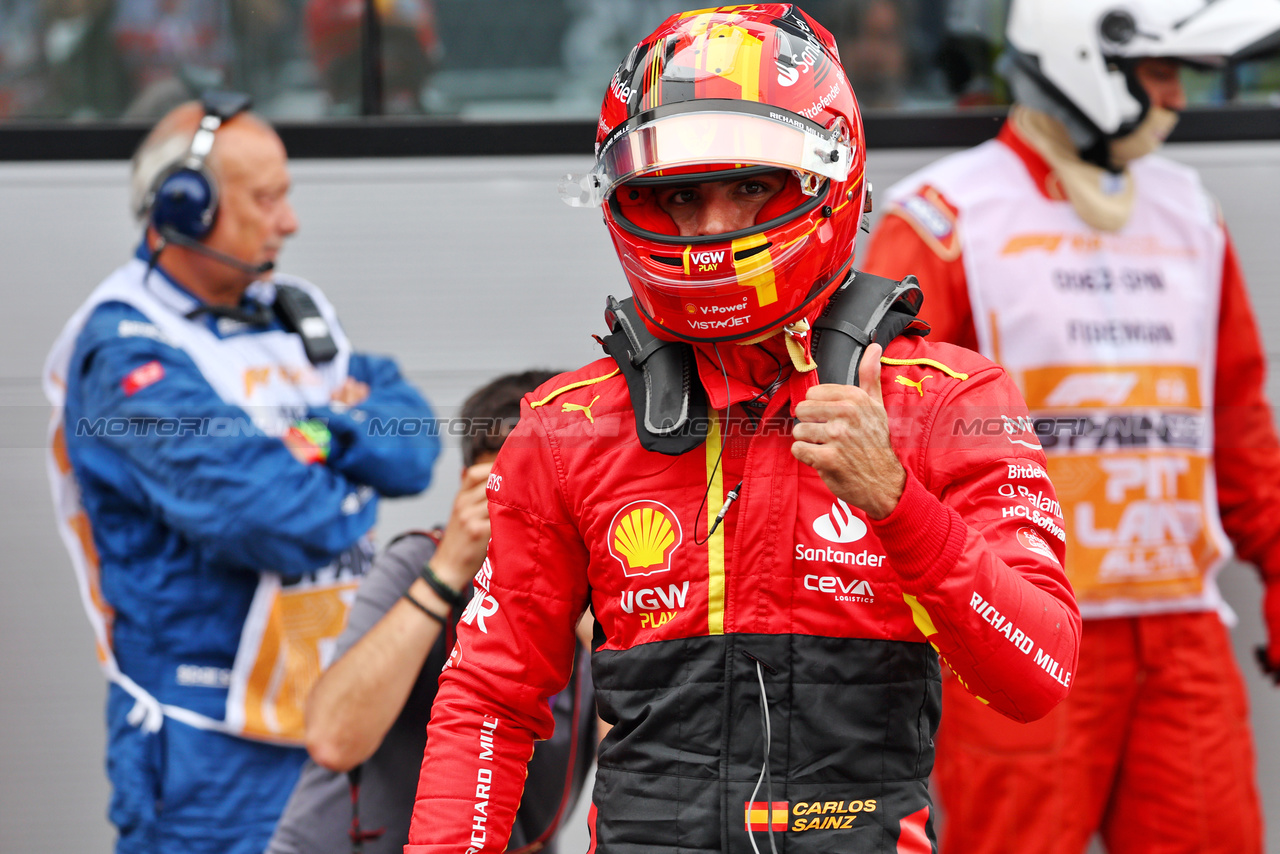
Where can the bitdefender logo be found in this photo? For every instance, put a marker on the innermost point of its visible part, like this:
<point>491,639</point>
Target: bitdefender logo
<point>840,525</point>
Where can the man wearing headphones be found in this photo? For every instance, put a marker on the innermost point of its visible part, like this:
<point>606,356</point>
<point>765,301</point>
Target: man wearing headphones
<point>1104,279</point>
<point>215,484</point>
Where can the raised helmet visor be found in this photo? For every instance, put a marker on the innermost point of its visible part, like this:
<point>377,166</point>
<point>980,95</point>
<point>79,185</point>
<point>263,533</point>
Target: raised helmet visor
<point>709,133</point>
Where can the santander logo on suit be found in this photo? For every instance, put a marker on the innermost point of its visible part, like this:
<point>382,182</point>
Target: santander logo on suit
<point>839,525</point>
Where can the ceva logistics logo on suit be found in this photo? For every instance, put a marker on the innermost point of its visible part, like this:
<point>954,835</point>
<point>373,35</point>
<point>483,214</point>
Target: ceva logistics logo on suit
<point>839,525</point>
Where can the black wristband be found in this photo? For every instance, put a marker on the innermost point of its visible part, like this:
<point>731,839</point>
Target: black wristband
<point>423,608</point>
<point>455,599</point>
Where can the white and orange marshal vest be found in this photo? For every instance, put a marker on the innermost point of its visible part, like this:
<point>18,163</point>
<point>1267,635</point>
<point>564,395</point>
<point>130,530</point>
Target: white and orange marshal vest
<point>1112,339</point>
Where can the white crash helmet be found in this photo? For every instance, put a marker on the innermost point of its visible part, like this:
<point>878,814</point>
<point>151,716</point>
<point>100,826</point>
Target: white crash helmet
<point>1075,51</point>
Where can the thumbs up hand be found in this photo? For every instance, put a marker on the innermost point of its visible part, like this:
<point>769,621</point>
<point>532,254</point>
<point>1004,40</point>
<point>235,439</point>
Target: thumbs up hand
<point>842,432</point>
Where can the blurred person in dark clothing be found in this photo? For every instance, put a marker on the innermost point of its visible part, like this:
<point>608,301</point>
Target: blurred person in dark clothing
<point>875,50</point>
<point>85,74</point>
<point>367,716</point>
<point>411,49</point>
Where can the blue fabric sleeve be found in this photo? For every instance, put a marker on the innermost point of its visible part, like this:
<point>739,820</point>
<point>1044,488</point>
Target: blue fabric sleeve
<point>199,462</point>
<point>391,440</point>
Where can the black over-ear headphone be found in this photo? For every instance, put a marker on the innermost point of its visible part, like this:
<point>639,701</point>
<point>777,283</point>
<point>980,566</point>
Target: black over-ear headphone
<point>184,201</point>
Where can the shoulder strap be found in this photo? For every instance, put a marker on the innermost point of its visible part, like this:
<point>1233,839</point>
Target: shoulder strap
<point>669,402</point>
<point>865,310</point>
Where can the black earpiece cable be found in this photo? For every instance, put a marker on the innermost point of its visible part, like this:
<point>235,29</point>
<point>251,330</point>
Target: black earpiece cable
<point>737,490</point>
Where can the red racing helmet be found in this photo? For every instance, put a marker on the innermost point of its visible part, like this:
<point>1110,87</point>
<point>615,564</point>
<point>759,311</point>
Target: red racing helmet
<point>728,93</point>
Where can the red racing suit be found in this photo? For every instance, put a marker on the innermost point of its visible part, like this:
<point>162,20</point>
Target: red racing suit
<point>1158,717</point>
<point>798,623</point>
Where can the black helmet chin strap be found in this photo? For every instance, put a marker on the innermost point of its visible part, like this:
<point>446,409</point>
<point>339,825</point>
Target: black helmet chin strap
<point>1032,89</point>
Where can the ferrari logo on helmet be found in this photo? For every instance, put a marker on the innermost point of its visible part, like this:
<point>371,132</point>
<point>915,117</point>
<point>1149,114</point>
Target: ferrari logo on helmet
<point>644,535</point>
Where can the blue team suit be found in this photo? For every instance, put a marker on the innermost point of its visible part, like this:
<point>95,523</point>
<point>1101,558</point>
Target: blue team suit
<point>183,523</point>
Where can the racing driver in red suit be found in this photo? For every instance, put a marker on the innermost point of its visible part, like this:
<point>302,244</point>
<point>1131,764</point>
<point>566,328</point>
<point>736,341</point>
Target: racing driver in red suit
<point>773,597</point>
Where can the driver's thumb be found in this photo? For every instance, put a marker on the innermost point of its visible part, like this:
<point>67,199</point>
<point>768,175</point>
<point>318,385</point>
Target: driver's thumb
<point>869,373</point>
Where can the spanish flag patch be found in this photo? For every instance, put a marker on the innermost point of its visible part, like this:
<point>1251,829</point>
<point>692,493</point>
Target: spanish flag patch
<point>758,815</point>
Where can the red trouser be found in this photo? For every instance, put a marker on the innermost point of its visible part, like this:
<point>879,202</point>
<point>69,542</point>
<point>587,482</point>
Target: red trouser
<point>1151,748</point>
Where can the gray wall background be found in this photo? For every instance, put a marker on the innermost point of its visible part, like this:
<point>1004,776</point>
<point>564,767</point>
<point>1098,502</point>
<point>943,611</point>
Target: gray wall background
<point>462,269</point>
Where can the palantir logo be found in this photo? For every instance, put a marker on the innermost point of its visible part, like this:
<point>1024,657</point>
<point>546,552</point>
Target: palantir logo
<point>840,525</point>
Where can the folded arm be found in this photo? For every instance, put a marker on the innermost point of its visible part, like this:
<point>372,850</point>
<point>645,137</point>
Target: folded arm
<point>200,462</point>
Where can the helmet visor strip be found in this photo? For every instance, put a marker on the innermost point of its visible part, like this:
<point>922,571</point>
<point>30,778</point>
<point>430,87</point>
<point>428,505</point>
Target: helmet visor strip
<point>707,132</point>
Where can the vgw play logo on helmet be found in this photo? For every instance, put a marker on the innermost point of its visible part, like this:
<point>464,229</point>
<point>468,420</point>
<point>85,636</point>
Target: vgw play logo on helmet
<point>644,536</point>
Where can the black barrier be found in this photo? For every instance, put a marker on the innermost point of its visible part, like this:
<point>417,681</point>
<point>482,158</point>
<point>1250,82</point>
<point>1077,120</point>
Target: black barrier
<point>383,137</point>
